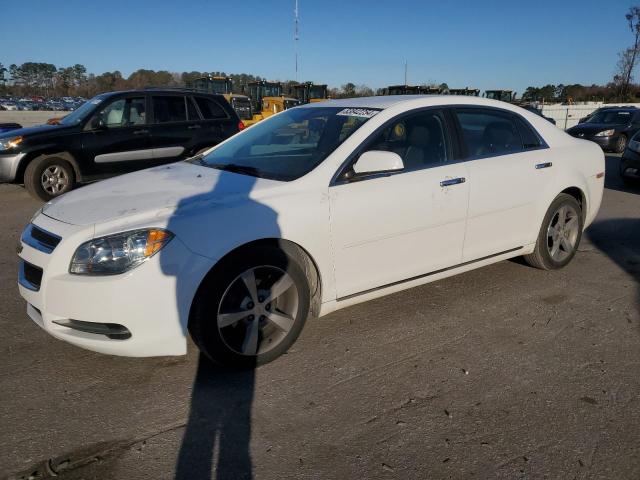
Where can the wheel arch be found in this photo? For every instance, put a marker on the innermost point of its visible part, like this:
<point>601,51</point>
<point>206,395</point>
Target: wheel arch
<point>30,156</point>
<point>291,249</point>
<point>580,197</point>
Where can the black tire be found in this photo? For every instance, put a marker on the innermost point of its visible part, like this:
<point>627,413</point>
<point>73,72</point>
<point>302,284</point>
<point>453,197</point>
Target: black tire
<point>36,169</point>
<point>621,144</point>
<point>203,324</point>
<point>541,257</point>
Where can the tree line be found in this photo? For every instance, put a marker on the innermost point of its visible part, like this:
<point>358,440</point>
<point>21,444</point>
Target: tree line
<point>45,79</point>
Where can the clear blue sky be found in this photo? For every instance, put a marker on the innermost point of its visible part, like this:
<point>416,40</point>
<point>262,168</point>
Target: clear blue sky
<point>485,44</point>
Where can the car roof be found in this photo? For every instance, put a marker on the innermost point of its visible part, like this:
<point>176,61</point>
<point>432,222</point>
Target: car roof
<point>386,101</point>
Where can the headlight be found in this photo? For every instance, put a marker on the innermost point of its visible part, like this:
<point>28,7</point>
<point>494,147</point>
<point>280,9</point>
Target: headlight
<point>9,143</point>
<point>118,253</point>
<point>605,133</point>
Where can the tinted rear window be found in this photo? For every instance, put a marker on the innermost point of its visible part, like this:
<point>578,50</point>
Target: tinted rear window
<point>210,109</point>
<point>168,109</point>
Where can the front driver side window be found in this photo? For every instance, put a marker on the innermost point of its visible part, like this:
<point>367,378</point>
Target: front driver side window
<point>420,140</point>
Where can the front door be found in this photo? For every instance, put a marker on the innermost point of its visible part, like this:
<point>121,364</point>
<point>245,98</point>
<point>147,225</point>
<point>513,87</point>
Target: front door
<point>117,138</point>
<point>396,227</point>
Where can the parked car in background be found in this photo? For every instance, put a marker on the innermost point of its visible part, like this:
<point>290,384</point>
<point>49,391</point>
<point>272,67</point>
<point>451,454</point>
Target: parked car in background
<point>114,133</point>
<point>601,109</point>
<point>9,105</point>
<point>630,162</point>
<point>537,111</point>
<point>610,128</point>
<point>312,210</point>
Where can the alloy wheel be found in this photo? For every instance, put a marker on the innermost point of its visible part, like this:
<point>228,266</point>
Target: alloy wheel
<point>563,232</point>
<point>257,310</point>
<point>54,179</point>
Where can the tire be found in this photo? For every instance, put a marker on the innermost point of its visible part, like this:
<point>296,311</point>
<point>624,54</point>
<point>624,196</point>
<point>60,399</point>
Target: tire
<point>58,171</point>
<point>219,324</point>
<point>555,248</point>
<point>621,144</point>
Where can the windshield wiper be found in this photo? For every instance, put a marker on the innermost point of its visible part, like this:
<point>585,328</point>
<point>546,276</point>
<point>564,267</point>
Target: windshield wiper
<point>232,167</point>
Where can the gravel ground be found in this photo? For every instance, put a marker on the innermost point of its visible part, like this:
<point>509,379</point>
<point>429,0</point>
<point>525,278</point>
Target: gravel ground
<point>504,372</point>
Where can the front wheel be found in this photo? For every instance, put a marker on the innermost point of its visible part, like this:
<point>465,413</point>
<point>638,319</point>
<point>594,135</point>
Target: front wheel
<point>251,308</point>
<point>621,144</point>
<point>559,235</point>
<point>47,177</point>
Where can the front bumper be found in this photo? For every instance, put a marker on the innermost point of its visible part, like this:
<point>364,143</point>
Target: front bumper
<point>9,166</point>
<point>606,143</point>
<point>151,301</point>
<point>630,164</point>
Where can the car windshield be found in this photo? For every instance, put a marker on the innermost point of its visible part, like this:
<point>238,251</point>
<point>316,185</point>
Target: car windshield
<point>79,114</point>
<point>288,145</point>
<point>613,117</point>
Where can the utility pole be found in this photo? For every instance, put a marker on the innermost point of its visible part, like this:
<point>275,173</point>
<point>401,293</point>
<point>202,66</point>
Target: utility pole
<point>405,72</point>
<point>296,35</point>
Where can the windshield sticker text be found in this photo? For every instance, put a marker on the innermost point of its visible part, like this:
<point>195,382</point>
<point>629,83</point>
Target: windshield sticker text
<point>358,112</point>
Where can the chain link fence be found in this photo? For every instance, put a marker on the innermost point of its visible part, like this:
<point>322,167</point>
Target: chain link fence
<point>567,116</point>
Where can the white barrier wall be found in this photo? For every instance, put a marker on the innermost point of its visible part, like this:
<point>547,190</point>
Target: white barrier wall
<point>567,116</point>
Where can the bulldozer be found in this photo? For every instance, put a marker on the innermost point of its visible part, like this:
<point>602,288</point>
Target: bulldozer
<point>309,92</point>
<point>267,99</point>
<point>467,92</point>
<point>508,96</point>
<point>224,86</point>
<point>411,90</point>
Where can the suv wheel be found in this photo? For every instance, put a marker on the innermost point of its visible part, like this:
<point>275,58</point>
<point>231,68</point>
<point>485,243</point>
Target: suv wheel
<point>47,177</point>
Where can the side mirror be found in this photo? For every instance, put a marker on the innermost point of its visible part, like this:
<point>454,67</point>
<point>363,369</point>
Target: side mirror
<point>376,161</point>
<point>97,123</point>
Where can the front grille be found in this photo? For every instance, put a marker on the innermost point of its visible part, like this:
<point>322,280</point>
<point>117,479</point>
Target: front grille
<point>40,239</point>
<point>30,276</point>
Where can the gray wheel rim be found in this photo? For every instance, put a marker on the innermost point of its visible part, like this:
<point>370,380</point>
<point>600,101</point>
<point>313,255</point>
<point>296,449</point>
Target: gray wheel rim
<point>54,179</point>
<point>257,310</point>
<point>562,233</point>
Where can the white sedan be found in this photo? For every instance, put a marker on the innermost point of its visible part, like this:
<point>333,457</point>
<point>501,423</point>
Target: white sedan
<point>312,210</point>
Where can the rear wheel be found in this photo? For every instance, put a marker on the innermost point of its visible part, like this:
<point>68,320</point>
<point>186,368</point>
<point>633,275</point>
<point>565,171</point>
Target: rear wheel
<point>251,308</point>
<point>47,177</point>
<point>559,235</point>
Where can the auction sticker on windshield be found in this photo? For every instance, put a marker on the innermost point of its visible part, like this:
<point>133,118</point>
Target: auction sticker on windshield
<point>358,112</point>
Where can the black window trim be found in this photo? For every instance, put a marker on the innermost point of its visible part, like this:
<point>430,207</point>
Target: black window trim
<point>451,134</point>
<point>463,145</point>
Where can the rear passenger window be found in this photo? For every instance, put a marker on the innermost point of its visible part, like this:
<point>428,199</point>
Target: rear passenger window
<point>168,109</point>
<point>489,132</point>
<point>210,109</point>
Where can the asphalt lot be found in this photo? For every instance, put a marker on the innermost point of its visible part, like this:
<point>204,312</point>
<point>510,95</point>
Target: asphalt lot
<point>505,372</point>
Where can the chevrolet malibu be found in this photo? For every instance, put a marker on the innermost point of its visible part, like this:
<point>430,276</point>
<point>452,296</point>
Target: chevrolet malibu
<point>317,208</point>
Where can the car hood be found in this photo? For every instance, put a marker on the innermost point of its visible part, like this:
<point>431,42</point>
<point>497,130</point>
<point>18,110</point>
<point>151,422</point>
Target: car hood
<point>593,128</point>
<point>29,131</point>
<point>159,191</point>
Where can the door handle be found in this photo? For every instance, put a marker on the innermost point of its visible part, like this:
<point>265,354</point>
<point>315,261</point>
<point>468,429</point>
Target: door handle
<point>543,165</point>
<point>140,132</point>
<point>194,127</point>
<point>452,181</point>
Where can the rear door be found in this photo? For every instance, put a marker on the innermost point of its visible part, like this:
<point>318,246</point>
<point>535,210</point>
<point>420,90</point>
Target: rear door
<point>219,121</point>
<point>172,131</point>
<point>508,166</point>
<point>117,138</point>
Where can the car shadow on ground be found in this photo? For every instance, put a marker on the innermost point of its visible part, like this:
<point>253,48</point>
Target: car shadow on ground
<point>613,180</point>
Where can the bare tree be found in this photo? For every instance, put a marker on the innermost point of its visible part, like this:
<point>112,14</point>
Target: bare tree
<point>633,19</point>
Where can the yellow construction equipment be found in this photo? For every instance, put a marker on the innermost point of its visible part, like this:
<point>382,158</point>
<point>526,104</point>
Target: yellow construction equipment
<point>411,90</point>
<point>309,92</point>
<point>267,99</point>
<point>502,95</point>
<point>469,92</point>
